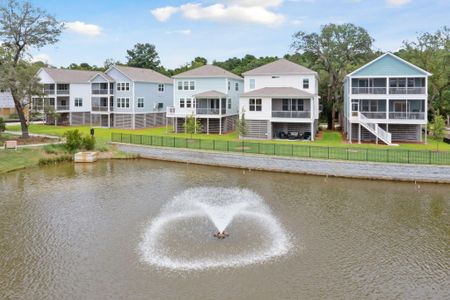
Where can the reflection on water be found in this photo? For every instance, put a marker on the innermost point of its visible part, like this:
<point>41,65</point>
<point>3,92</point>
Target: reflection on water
<point>74,232</point>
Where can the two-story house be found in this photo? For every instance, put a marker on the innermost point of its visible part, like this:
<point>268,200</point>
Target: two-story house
<point>208,93</point>
<point>7,106</point>
<point>386,100</point>
<point>281,98</point>
<point>127,97</point>
<point>67,92</point>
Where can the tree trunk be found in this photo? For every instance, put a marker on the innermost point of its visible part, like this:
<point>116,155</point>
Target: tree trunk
<point>333,115</point>
<point>22,118</point>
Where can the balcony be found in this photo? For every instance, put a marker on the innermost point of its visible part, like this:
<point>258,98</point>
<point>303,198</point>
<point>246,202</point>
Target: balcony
<point>291,114</point>
<point>369,90</point>
<point>374,114</point>
<point>62,92</point>
<point>407,90</point>
<point>101,91</point>
<point>60,107</point>
<point>210,111</point>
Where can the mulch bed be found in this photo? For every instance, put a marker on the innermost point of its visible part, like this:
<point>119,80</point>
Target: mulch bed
<point>29,141</point>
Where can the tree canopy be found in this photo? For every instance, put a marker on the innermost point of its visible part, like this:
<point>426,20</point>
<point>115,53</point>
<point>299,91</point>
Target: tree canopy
<point>144,56</point>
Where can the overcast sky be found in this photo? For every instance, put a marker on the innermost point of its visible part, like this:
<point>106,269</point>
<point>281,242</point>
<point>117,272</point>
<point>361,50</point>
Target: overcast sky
<point>219,29</point>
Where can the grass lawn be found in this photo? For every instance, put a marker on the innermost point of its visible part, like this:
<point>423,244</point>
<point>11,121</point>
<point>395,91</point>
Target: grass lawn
<point>329,138</point>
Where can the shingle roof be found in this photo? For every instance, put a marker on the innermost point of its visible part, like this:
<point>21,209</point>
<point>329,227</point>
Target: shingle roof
<point>144,75</point>
<point>70,76</point>
<point>277,92</point>
<point>104,75</point>
<point>208,71</point>
<point>210,94</point>
<point>281,67</point>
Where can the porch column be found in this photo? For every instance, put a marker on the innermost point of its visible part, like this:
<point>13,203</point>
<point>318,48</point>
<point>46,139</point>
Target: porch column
<point>313,132</point>
<point>220,124</point>
<point>359,133</point>
<point>167,125</point>
<point>70,118</point>
<point>109,120</point>
<point>420,133</point>
<point>207,125</point>
<point>426,135</point>
<point>195,122</point>
<point>176,125</point>
<point>350,132</point>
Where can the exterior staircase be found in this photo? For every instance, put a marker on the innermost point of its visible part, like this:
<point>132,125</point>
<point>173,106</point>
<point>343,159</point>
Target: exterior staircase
<point>376,130</point>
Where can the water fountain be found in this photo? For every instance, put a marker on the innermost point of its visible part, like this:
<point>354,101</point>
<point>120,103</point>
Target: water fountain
<point>179,238</point>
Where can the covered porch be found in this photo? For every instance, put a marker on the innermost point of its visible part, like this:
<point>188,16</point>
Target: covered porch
<point>211,103</point>
<point>291,108</point>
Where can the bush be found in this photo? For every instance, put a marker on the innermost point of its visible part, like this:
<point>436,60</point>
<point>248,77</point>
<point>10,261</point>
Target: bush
<point>55,160</point>
<point>74,140</point>
<point>2,125</point>
<point>88,142</point>
<point>54,148</point>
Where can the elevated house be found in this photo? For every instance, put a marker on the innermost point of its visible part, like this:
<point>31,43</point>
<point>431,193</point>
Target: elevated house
<point>280,99</point>
<point>121,97</point>
<point>67,92</point>
<point>386,101</point>
<point>209,94</point>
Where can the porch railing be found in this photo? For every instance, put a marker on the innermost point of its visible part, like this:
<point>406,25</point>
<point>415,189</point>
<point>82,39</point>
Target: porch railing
<point>101,108</point>
<point>407,115</point>
<point>62,107</point>
<point>374,114</point>
<point>369,90</point>
<point>407,90</point>
<point>210,111</point>
<point>291,114</point>
<point>100,91</point>
<point>62,92</point>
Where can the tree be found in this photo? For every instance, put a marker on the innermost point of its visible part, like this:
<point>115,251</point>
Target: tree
<point>23,26</point>
<point>143,56</point>
<point>431,52</point>
<point>337,50</point>
<point>192,125</point>
<point>197,62</point>
<point>109,62</point>
<point>241,125</point>
<point>437,129</point>
<point>2,125</point>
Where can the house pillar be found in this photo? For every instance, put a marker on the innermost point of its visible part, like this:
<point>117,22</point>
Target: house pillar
<point>176,125</point>
<point>426,135</point>
<point>359,133</point>
<point>207,125</point>
<point>350,132</point>
<point>220,125</point>
<point>109,120</point>
<point>313,132</point>
<point>70,118</point>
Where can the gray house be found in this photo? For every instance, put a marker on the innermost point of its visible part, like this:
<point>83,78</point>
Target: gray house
<point>210,94</point>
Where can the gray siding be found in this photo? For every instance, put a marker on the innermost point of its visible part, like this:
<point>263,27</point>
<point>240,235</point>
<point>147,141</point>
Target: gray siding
<point>400,133</point>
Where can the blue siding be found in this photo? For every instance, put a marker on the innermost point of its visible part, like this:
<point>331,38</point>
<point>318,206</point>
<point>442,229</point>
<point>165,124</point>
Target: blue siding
<point>389,65</point>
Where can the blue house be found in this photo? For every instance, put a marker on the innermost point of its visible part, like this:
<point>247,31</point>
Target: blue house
<point>386,100</point>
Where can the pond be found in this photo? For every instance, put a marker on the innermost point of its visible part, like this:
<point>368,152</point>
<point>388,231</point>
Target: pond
<point>144,229</point>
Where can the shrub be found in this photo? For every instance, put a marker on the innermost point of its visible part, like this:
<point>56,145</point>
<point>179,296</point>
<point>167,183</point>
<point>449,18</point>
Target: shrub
<point>88,142</point>
<point>74,140</point>
<point>54,148</point>
<point>54,160</point>
<point>2,125</point>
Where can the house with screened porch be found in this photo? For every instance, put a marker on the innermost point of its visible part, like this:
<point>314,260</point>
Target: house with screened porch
<point>281,101</point>
<point>208,93</point>
<point>386,101</point>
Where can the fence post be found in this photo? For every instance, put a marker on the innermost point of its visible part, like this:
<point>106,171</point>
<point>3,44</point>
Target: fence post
<point>387,155</point>
<point>328,149</point>
<point>228,146</point>
<point>274,149</point>
<point>309,151</point>
<point>259,148</point>
<point>121,137</point>
<point>347,153</point>
<point>367,154</point>
<point>214,144</point>
<point>151,140</point>
<point>140,140</point>
<point>242,146</point>
<point>429,154</point>
<point>200,144</point>
<point>408,156</point>
<point>174,142</point>
<point>292,149</point>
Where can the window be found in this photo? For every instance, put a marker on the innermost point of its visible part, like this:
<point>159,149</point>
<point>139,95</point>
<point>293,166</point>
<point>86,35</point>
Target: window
<point>355,105</point>
<point>255,105</point>
<point>229,85</point>
<point>186,85</point>
<point>297,104</point>
<point>192,85</point>
<point>252,83</point>
<point>306,83</point>
<point>285,106</point>
<point>188,103</point>
<point>140,102</point>
<point>123,102</point>
<point>180,85</point>
<point>181,102</point>
<point>123,86</point>
<point>236,86</point>
<point>160,87</point>
<point>78,102</point>
<point>229,103</point>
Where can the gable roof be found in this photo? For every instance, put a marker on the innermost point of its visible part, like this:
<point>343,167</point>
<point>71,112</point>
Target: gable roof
<point>281,67</point>
<point>104,76</point>
<point>278,92</point>
<point>143,75</point>
<point>69,76</point>
<point>208,71</point>
<point>389,64</point>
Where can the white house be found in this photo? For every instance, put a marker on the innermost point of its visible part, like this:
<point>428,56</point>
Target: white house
<point>386,100</point>
<point>7,106</point>
<point>68,93</point>
<point>281,99</point>
<point>210,94</point>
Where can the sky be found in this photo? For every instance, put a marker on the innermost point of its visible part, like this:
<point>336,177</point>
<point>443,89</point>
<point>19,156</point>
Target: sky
<point>219,29</point>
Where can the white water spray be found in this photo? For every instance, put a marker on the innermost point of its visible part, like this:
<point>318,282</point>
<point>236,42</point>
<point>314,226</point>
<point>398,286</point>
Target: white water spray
<point>257,235</point>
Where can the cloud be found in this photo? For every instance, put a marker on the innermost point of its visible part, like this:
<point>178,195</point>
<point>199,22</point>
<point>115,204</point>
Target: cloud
<point>162,14</point>
<point>243,11</point>
<point>41,57</point>
<point>397,2</point>
<point>181,31</point>
<point>83,28</point>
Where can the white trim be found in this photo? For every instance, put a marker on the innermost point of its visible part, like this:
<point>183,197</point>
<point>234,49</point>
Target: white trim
<point>394,56</point>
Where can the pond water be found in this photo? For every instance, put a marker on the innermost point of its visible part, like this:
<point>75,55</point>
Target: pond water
<point>137,229</point>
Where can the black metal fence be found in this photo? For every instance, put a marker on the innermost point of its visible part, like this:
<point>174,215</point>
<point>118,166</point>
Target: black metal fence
<point>291,150</point>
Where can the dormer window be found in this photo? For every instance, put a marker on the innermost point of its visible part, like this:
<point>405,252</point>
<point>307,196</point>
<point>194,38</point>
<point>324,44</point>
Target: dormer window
<point>306,83</point>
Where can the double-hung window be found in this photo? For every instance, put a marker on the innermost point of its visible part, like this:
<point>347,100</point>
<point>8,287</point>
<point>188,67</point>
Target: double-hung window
<point>160,87</point>
<point>255,105</point>
<point>229,85</point>
<point>180,85</point>
<point>306,83</point>
<point>186,85</point>
<point>181,102</point>
<point>236,86</point>
<point>123,86</point>
<point>191,85</point>
<point>140,102</point>
<point>229,103</point>
<point>188,103</point>
<point>78,102</point>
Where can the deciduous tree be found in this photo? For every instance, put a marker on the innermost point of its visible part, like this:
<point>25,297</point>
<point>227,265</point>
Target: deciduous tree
<point>143,56</point>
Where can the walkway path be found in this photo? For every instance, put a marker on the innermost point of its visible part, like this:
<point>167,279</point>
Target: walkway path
<point>367,170</point>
